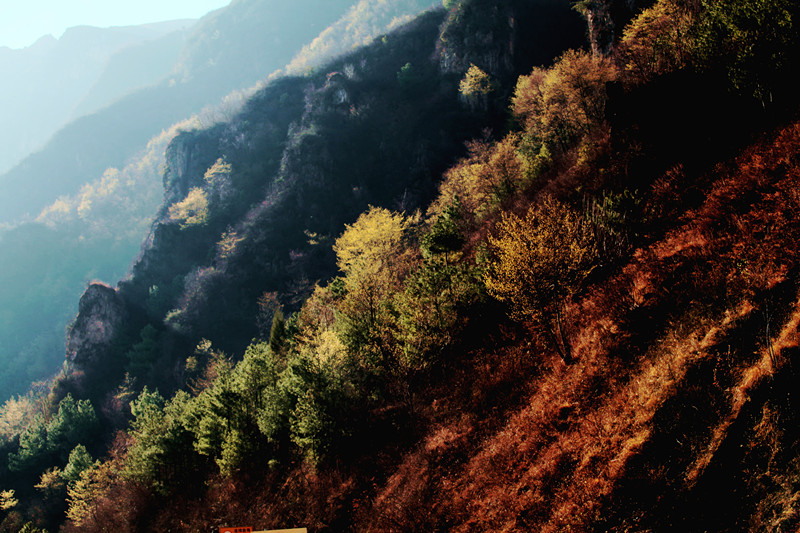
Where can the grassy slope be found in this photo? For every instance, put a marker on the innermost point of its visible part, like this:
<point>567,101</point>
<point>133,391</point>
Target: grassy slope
<point>679,412</point>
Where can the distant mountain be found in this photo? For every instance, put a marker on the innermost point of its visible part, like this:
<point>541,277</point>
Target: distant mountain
<point>44,84</point>
<point>95,217</point>
<point>133,68</point>
<point>361,23</point>
<point>229,49</point>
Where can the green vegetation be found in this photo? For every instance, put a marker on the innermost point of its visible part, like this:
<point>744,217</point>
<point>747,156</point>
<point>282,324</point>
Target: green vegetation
<point>44,442</point>
<point>361,291</point>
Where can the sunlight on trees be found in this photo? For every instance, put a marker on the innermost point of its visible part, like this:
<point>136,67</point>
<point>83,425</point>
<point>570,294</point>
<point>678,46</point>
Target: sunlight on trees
<point>8,500</point>
<point>218,180</point>
<point>85,495</point>
<point>17,414</point>
<point>224,418</point>
<point>192,210</point>
<point>480,182</point>
<point>656,42</point>
<point>368,253</point>
<point>51,482</point>
<point>539,262</point>
<point>367,245</point>
<point>475,87</point>
<point>79,461</point>
<point>561,104</point>
<point>45,443</point>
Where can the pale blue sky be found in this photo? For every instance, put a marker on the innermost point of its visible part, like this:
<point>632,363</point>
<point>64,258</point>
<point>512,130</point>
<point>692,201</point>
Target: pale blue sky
<point>22,22</point>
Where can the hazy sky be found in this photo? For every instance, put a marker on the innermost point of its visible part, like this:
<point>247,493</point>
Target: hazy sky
<point>22,22</point>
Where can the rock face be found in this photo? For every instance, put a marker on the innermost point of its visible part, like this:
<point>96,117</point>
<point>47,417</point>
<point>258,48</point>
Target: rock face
<point>607,18</point>
<point>188,157</point>
<point>481,33</point>
<point>101,312</point>
<point>507,37</point>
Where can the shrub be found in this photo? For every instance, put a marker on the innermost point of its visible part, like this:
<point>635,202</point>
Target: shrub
<point>565,102</point>
<point>539,262</point>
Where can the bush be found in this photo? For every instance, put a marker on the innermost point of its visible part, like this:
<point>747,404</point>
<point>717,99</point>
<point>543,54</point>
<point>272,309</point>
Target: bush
<point>560,105</point>
<point>656,42</point>
<point>539,262</point>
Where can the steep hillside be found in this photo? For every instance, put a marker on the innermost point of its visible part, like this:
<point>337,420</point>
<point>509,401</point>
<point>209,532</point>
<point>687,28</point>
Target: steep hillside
<point>276,185</point>
<point>678,412</point>
<point>46,265</point>
<point>447,285</point>
<point>251,208</point>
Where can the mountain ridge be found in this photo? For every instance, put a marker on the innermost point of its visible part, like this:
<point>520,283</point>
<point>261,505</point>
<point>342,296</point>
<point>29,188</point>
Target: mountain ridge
<point>441,284</point>
<point>72,223</point>
<point>32,70</point>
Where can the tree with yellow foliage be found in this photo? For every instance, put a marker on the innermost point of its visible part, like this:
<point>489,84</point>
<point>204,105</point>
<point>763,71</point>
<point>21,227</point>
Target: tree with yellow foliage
<point>656,42</point>
<point>368,254</point>
<point>475,87</point>
<point>192,210</point>
<point>539,262</point>
<point>561,104</point>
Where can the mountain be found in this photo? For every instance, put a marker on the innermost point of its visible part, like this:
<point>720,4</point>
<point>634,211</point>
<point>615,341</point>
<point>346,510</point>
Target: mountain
<point>284,169</point>
<point>514,265</point>
<point>95,229</point>
<point>44,266</point>
<point>252,205</point>
<point>131,69</point>
<point>33,110</point>
<point>358,27</point>
<point>228,50</point>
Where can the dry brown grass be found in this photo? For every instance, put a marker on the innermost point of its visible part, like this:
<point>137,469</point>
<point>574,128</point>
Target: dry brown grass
<point>765,367</point>
<point>559,459</point>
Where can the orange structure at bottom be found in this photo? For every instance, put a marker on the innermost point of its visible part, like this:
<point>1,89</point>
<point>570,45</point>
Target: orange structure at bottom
<point>250,530</point>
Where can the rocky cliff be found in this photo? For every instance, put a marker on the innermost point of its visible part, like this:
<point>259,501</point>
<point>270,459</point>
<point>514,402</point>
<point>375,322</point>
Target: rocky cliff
<point>607,18</point>
<point>101,312</point>
<point>507,36</point>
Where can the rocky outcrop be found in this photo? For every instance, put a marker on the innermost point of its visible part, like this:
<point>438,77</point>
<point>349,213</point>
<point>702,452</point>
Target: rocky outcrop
<point>607,18</point>
<point>481,33</point>
<point>188,157</point>
<point>101,313</point>
<point>507,37</point>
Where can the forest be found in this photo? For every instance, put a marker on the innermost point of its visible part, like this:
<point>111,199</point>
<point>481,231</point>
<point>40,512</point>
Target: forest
<point>512,265</point>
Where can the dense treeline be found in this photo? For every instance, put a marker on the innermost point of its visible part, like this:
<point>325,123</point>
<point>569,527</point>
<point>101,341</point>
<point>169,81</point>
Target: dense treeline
<point>520,347</point>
